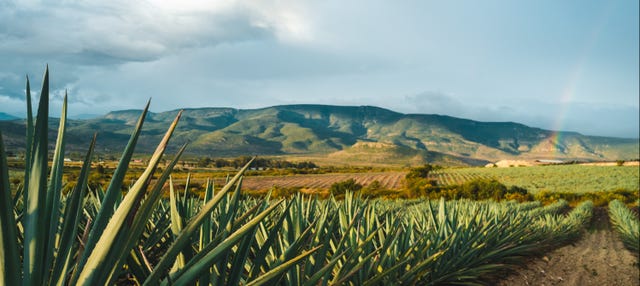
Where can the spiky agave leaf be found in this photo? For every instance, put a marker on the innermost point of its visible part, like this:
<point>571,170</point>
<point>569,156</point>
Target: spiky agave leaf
<point>35,194</point>
<point>97,268</point>
<point>54,189</point>
<point>72,212</point>
<point>113,195</point>
<point>194,224</point>
<point>9,256</point>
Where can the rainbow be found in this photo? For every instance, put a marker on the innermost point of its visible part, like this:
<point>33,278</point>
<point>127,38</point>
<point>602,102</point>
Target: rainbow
<point>569,90</point>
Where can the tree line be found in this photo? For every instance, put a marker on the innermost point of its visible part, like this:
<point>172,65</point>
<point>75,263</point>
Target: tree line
<point>207,162</point>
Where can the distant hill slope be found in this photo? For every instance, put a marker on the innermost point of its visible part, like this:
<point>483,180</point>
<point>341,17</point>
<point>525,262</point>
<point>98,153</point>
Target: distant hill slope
<point>5,116</point>
<point>352,133</point>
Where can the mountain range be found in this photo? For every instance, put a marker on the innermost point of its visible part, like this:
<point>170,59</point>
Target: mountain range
<point>347,133</point>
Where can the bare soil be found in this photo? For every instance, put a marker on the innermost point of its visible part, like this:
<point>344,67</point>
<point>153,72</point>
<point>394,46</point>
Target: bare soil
<point>598,258</point>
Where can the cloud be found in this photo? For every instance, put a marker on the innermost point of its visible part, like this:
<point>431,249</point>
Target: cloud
<point>434,102</point>
<point>437,102</point>
<point>589,118</point>
<point>124,31</point>
<point>74,35</point>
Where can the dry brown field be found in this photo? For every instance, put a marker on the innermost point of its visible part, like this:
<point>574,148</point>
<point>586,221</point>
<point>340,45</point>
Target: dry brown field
<point>389,180</point>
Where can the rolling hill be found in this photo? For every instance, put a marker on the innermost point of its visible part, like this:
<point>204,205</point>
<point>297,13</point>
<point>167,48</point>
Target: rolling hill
<point>354,133</point>
<point>5,116</point>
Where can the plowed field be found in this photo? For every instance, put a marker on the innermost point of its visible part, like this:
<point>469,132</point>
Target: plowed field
<point>389,180</point>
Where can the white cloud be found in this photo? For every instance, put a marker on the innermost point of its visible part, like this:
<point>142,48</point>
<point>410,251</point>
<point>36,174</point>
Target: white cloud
<point>141,31</point>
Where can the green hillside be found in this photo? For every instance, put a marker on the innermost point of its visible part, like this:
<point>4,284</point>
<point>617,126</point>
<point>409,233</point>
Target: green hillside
<point>346,132</point>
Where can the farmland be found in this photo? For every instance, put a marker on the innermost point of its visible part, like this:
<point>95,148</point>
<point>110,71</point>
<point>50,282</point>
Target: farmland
<point>560,178</point>
<point>389,180</point>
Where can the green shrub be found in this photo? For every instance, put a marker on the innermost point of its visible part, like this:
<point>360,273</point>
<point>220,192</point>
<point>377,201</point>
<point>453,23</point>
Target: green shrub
<point>284,192</point>
<point>340,188</point>
<point>420,172</point>
<point>598,198</point>
<point>478,189</point>
<point>376,190</point>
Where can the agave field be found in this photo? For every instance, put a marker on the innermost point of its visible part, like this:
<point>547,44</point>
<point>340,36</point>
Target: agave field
<point>557,178</point>
<point>100,236</point>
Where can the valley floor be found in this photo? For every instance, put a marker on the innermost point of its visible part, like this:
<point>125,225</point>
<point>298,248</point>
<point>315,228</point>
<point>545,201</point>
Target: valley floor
<point>598,258</point>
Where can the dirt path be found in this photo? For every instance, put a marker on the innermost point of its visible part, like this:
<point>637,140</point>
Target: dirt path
<point>599,258</point>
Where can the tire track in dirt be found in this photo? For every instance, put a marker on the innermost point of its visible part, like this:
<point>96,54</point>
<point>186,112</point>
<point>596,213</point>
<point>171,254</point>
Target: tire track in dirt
<point>599,258</point>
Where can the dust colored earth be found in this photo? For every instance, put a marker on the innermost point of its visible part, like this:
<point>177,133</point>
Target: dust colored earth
<point>598,258</point>
<point>389,180</point>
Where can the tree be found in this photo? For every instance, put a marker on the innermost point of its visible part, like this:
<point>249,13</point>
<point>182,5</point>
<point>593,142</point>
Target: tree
<point>204,162</point>
<point>344,186</point>
<point>420,172</point>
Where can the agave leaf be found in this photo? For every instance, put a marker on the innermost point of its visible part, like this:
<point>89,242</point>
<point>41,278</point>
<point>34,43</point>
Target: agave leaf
<point>353,270</point>
<point>113,194</point>
<point>214,242</point>
<point>186,191</point>
<point>194,224</point>
<point>34,240</point>
<point>28,145</point>
<point>192,273</point>
<point>72,212</point>
<point>52,210</point>
<point>137,264</point>
<point>260,259</point>
<point>275,272</point>
<point>242,254</point>
<point>325,269</point>
<point>205,229</point>
<point>293,249</point>
<point>176,223</point>
<point>9,257</point>
<point>140,220</point>
<point>121,220</point>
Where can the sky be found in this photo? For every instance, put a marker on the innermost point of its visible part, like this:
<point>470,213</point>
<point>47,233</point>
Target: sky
<point>560,65</point>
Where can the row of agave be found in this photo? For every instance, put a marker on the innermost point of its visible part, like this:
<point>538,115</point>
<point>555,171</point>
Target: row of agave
<point>361,242</point>
<point>101,237</point>
<point>626,223</point>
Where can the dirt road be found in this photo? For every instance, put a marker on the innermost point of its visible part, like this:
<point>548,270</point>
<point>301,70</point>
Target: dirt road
<point>599,258</point>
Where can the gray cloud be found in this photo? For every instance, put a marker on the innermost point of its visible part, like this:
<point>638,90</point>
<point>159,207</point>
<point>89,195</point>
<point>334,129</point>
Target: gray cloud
<point>70,35</point>
<point>120,31</point>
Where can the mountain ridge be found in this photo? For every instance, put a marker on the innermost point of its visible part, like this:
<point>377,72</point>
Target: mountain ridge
<point>340,131</point>
<point>6,116</point>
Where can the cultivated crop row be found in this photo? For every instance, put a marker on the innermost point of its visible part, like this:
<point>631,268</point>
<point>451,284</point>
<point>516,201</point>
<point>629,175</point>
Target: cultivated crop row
<point>359,242</point>
<point>446,177</point>
<point>626,223</point>
<point>560,178</point>
<point>388,180</point>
